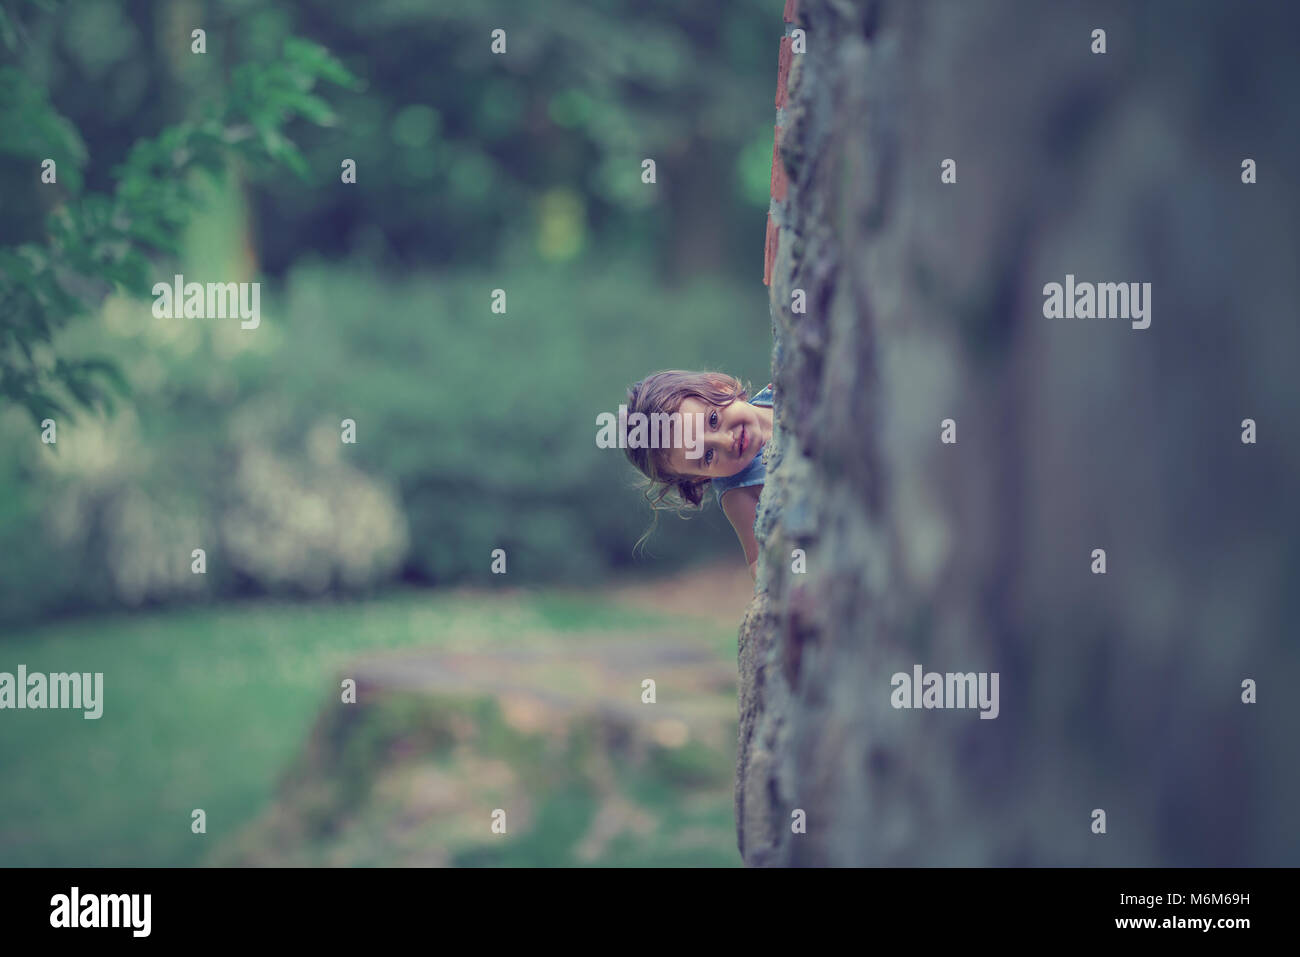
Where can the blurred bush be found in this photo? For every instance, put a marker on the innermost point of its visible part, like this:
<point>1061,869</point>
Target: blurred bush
<point>474,431</point>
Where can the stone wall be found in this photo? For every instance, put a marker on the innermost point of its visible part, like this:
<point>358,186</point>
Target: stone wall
<point>1119,691</point>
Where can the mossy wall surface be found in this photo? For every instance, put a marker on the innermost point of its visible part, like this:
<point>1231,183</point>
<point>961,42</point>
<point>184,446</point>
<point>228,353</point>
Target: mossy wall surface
<point>1119,691</point>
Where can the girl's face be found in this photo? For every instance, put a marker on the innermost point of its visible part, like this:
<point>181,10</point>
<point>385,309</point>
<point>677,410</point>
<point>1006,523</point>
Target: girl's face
<point>733,435</point>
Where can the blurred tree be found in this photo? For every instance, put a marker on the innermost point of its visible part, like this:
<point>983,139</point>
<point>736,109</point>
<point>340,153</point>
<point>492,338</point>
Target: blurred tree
<point>93,241</point>
<point>462,153</point>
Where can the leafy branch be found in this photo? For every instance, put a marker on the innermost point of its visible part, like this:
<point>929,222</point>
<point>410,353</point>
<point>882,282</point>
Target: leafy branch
<point>97,242</point>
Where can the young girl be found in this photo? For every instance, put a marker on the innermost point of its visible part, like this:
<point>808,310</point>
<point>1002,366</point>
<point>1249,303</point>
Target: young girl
<point>736,428</point>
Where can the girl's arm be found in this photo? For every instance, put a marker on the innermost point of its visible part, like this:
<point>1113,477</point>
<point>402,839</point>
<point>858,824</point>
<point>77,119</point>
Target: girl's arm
<point>740,505</point>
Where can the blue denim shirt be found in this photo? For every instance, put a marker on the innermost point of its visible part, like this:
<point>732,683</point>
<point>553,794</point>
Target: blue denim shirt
<point>752,474</point>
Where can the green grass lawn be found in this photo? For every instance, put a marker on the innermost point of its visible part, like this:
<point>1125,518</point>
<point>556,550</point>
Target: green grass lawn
<point>205,707</point>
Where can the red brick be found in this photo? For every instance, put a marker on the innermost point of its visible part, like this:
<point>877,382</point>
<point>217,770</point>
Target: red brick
<point>779,180</point>
<point>773,234</point>
<point>783,70</point>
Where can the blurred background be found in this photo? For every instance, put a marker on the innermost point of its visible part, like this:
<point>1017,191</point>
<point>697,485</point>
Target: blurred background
<point>475,430</point>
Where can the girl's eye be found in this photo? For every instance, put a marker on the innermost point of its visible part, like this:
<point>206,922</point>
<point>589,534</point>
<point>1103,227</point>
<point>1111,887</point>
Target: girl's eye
<point>713,419</point>
<point>708,458</point>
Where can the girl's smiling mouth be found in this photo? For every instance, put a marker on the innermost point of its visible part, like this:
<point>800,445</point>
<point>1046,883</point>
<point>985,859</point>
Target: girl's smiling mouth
<point>744,440</point>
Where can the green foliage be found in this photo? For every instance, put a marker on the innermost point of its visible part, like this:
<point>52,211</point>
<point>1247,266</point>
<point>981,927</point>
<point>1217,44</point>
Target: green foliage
<point>480,428</point>
<point>475,172</point>
<point>461,151</point>
<point>96,242</point>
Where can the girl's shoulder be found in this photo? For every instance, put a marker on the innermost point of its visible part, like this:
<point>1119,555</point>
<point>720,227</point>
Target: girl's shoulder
<point>764,397</point>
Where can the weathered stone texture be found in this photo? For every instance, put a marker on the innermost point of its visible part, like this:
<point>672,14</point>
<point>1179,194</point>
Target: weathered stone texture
<point>924,302</point>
